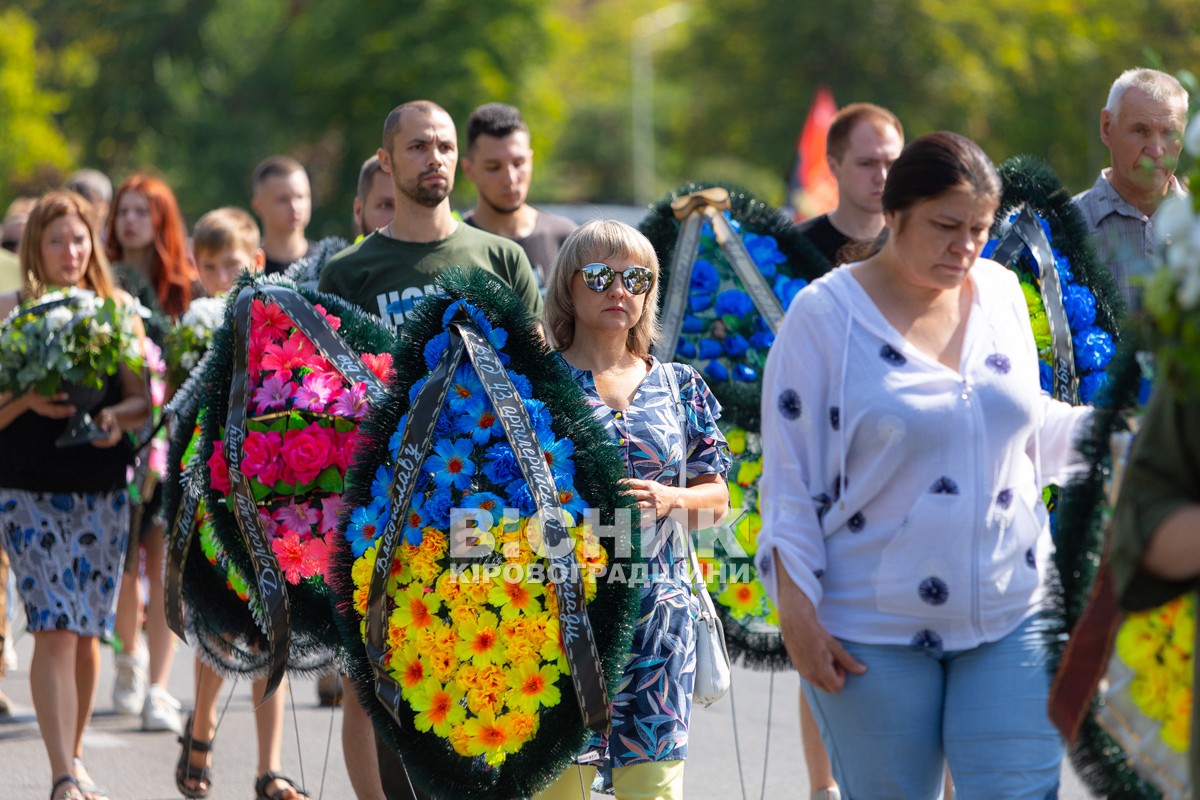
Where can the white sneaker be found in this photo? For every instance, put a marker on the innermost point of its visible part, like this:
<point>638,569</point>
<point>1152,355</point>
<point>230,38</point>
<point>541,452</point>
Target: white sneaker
<point>161,711</point>
<point>129,689</point>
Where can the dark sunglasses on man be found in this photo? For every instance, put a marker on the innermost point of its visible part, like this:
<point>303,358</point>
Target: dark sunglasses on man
<point>598,277</point>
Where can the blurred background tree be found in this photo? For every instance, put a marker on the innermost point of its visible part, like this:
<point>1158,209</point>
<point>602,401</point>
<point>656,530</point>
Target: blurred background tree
<point>201,90</point>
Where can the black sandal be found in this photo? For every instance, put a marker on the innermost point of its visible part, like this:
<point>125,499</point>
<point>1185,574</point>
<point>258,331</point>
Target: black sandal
<point>292,790</point>
<point>192,782</point>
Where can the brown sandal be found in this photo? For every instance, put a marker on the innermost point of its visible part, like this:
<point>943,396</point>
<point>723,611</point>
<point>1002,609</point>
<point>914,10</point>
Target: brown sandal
<point>290,792</point>
<point>192,782</point>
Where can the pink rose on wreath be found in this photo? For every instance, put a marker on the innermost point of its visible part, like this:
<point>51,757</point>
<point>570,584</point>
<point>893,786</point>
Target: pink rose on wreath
<point>308,451</point>
<point>261,457</point>
<point>380,364</point>
<point>218,470</point>
<point>344,455</point>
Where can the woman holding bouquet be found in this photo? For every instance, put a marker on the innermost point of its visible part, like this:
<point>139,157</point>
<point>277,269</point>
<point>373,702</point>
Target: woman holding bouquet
<point>64,513</point>
<point>148,248</point>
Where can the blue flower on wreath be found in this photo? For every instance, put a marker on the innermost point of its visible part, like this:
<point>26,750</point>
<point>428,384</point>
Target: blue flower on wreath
<point>539,416</point>
<point>699,302</point>
<point>521,384</point>
<point>685,348</point>
<point>464,387</point>
<point>693,324</point>
<point>1090,384</point>
<point>1046,377</point>
<point>710,348</point>
<point>486,501</point>
<point>558,454</point>
<point>381,486</point>
<point>437,508</point>
<point>736,345</point>
<point>1094,348</point>
<point>764,249</point>
<point>571,500</point>
<point>762,338</point>
<point>434,349</point>
<point>716,371</point>
<point>451,464</point>
<point>786,289</point>
<point>705,279</point>
<point>500,465</point>
<point>415,389</point>
<point>1080,305</point>
<point>415,520</point>
<point>478,421</point>
<point>497,337</point>
<point>989,248</point>
<point>744,374</point>
<point>366,524</point>
<point>706,230</point>
<point>521,496</point>
<point>735,302</point>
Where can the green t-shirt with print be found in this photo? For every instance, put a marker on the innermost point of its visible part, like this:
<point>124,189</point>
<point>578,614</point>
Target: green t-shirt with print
<point>386,277</point>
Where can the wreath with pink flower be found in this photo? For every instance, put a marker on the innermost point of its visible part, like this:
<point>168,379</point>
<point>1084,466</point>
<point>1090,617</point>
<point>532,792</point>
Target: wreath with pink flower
<point>473,653</point>
<point>301,420</point>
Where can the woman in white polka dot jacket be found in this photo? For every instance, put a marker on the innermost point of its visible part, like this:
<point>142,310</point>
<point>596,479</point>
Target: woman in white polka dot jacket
<point>906,441</point>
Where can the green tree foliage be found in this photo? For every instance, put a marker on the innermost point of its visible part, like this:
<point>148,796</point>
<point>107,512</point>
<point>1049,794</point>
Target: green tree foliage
<point>31,144</point>
<point>1020,76</point>
<point>201,90</point>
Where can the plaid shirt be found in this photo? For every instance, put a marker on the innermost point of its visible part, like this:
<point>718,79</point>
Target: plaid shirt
<point>1123,235</point>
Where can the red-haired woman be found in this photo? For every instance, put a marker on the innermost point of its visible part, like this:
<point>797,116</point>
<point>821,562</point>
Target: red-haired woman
<point>148,248</point>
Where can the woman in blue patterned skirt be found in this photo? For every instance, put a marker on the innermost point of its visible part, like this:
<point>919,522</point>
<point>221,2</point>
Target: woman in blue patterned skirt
<point>600,313</point>
<point>64,513</point>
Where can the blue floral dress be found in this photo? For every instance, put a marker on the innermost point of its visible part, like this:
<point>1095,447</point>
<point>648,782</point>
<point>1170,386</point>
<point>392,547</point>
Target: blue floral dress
<point>653,702</point>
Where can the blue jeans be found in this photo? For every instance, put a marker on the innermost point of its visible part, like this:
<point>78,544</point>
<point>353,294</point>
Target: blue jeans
<point>890,732</point>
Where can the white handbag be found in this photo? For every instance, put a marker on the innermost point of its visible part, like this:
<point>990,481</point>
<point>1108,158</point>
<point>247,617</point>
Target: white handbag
<point>712,659</point>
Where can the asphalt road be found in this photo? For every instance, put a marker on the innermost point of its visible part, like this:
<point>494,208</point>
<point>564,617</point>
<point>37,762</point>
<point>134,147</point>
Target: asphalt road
<point>140,766</point>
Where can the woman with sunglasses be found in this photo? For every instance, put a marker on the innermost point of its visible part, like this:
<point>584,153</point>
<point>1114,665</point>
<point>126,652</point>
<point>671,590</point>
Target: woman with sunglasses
<point>601,313</point>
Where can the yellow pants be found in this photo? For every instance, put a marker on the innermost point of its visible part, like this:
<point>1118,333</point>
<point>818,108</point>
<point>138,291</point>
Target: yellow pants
<point>653,780</point>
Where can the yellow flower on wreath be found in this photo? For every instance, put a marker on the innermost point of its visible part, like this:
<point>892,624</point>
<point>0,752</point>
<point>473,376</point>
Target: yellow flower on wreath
<point>514,598</point>
<point>360,573</point>
<point>1176,732</point>
<point>479,641</point>
<point>485,687</point>
<point>437,644</point>
<point>748,472</point>
<point>522,640</point>
<point>408,668</point>
<point>416,607</point>
<point>533,686</point>
<point>736,439</point>
<point>524,726</point>
<point>1138,643</point>
<point>742,598</point>
<point>439,707</point>
<point>492,737</point>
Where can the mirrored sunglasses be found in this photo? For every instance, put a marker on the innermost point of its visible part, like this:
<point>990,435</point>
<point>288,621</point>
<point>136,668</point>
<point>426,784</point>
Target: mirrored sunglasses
<point>636,280</point>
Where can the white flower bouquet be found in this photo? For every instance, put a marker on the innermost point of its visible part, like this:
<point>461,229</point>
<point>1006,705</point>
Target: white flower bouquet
<point>189,338</point>
<point>68,340</point>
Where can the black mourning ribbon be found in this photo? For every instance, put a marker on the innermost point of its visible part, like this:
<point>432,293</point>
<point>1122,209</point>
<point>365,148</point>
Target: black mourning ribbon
<point>578,640</point>
<point>1027,232</point>
<point>268,578</point>
<point>687,246</point>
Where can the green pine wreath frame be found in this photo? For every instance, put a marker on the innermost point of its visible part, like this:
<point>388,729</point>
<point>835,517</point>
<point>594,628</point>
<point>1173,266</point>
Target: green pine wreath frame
<point>215,611</point>
<point>429,760</point>
<point>741,402</point>
<point>1079,539</point>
